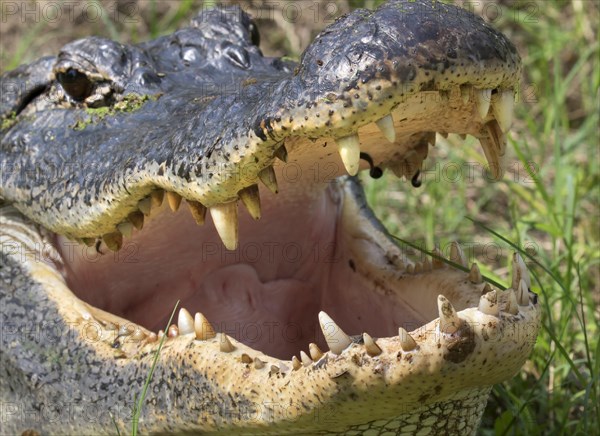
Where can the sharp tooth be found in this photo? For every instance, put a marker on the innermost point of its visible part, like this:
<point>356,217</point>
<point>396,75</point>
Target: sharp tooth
<point>349,147</point>
<point>198,211</point>
<point>457,255</point>
<point>386,125</point>
<point>174,200</point>
<point>475,275</point>
<point>431,138</point>
<point>267,176</point>
<point>281,154</point>
<point>315,351</point>
<point>465,93</point>
<point>444,135</point>
<point>336,339</point>
<point>371,346</point>
<point>410,269</point>
<point>502,107</point>
<point>173,331</point>
<point>486,288</point>
<point>225,219</point>
<point>157,197</point>
<point>89,242</point>
<point>251,200</point>
<point>492,155</point>
<point>406,340</point>
<point>274,370</point>
<point>246,358</point>
<point>426,264</point>
<point>523,294</point>
<point>145,205</point>
<point>497,136</point>
<point>418,267</point>
<point>306,361</point>
<point>437,260</point>
<point>512,306</point>
<point>160,335</point>
<point>126,228</point>
<point>258,364</point>
<point>488,303</point>
<point>114,241</point>
<point>203,328</point>
<point>483,98</point>
<point>519,271</point>
<point>152,337</point>
<point>137,219</point>
<point>296,364</point>
<point>449,319</point>
<point>185,322</point>
<point>225,344</point>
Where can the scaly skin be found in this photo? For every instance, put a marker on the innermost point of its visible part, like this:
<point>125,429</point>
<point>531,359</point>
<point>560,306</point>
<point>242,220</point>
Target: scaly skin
<point>201,114</point>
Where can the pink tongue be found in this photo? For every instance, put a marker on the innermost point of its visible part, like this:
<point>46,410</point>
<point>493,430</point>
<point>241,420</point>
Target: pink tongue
<point>278,318</point>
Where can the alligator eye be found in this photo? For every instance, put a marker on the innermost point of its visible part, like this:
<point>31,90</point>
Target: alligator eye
<point>76,84</point>
<point>254,34</point>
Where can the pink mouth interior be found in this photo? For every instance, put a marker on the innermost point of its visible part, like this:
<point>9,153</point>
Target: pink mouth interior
<point>289,265</point>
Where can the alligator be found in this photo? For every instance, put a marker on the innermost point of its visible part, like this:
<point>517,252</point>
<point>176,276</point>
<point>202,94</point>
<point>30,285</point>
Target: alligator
<point>102,144</point>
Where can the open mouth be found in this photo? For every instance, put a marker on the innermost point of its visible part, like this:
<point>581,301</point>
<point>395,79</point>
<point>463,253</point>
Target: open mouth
<point>304,242</point>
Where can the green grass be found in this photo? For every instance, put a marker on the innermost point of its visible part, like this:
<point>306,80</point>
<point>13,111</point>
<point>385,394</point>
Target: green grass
<point>546,206</point>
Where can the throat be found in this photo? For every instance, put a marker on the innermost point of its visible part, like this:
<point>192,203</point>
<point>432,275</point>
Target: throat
<point>266,293</point>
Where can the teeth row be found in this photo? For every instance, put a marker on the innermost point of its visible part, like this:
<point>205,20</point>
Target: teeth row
<point>493,142</point>
<point>491,302</point>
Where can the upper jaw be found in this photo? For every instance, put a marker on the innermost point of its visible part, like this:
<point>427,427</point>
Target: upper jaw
<point>416,65</point>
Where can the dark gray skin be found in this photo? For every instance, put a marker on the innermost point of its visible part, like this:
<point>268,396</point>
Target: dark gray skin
<point>91,135</point>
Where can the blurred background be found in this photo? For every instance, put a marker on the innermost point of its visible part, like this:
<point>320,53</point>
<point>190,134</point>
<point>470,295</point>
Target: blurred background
<point>547,206</point>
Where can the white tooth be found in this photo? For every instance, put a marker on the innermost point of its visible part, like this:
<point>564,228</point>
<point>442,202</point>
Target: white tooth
<point>315,351</point>
<point>145,205</point>
<point>174,200</point>
<point>519,271</point>
<point>126,228</point>
<point>449,319</point>
<point>225,219</point>
<point>306,361</point>
<point>492,155</point>
<point>406,340</point>
<point>296,365</point>
<point>386,125</point>
<point>457,255</point>
<point>336,339</point>
<point>438,259</point>
<point>251,200</point>
<point>475,275</point>
<point>483,98</point>
<point>258,364</point>
<point>523,294</point>
<point>502,107</point>
<point>173,331</point>
<point>349,147</point>
<point>225,344</point>
<point>185,322</point>
<point>157,197</point>
<point>203,328</point>
<point>281,154</point>
<point>465,93</point>
<point>114,241</point>
<point>488,303</point>
<point>198,211</point>
<point>512,306</point>
<point>497,136</point>
<point>267,176</point>
<point>371,346</point>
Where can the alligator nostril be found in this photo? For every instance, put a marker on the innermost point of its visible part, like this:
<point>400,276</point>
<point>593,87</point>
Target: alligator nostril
<point>238,56</point>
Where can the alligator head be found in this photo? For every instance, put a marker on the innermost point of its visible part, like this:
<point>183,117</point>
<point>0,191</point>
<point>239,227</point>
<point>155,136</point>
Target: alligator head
<point>101,144</point>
